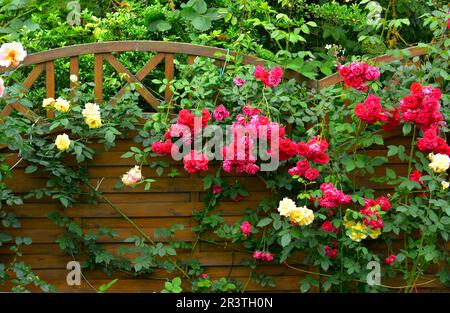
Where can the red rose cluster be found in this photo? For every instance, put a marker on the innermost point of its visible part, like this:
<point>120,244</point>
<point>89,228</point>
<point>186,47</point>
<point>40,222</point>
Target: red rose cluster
<point>371,214</point>
<point>195,162</point>
<point>303,169</point>
<point>356,75</point>
<point>422,107</point>
<point>327,226</point>
<point>331,252</point>
<point>332,197</point>
<point>371,110</point>
<point>269,79</point>
<point>264,256</point>
<point>390,259</point>
<point>314,150</point>
<point>431,142</point>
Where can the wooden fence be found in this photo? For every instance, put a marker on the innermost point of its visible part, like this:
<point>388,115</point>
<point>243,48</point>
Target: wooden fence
<point>170,200</point>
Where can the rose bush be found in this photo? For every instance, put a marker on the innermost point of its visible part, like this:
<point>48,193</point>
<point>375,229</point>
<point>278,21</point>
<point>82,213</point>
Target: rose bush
<point>317,208</point>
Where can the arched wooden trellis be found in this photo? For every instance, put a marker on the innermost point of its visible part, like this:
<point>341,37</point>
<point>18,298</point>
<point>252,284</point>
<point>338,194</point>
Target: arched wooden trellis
<point>104,52</point>
<point>171,200</point>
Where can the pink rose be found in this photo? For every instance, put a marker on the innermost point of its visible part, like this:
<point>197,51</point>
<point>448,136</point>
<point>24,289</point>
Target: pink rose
<point>220,113</point>
<point>312,174</point>
<point>372,73</point>
<point>2,87</point>
<point>239,82</point>
<point>216,189</point>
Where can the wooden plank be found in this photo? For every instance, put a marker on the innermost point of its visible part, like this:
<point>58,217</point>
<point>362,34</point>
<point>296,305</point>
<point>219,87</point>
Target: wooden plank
<point>169,75</point>
<point>98,77</point>
<point>74,70</point>
<point>143,72</point>
<point>130,78</point>
<point>50,84</point>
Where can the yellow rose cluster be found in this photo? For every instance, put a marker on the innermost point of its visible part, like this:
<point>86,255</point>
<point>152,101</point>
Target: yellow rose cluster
<point>60,104</point>
<point>62,142</point>
<point>359,231</point>
<point>91,113</point>
<point>439,162</point>
<point>301,216</point>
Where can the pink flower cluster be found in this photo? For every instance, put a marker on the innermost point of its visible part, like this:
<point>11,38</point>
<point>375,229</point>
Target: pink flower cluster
<point>332,197</point>
<point>263,256</point>
<point>269,79</point>
<point>356,75</point>
<point>303,169</point>
<point>220,113</point>
<point>390,259</point>
<point>371,110</point>
<point>246,228</point>
<point>239,82</point>
<point>314,150</point>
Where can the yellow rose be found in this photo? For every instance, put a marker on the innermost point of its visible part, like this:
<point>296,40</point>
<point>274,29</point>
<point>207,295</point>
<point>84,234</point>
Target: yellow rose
<point>301,216</point>
<point>286,206</point>
<point>91,110</point>
<point>48,103</point>
<point>358,232</point>
<point>93,122</point>
<point>375,233</point>
<point>445,184</point>
<point>62,105</point>
<point>439,162</point>
<point>62,142</point>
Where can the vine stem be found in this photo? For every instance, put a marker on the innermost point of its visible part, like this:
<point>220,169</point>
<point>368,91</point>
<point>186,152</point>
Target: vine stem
<point>136,227</point>
<point>357,280</point>
<point>248,281</point>
<point>413,279</point>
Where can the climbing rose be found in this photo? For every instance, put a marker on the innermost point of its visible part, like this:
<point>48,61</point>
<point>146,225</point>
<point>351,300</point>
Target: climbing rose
<point>216,189</point>
<point>238,82</point>
<point>246,228</point>
<point>314,150</point>
<point>431,142</point>
<point>269,79</point>
<point>195,162</point>
<point>61,105</point>
<point>312,174</point>
<point>393,120</point>
<point>390,259</point>
<point>356,75</point>
<point>286,206</point>
<point>133,176</point>
<point>301,216</point>
<point>370,111</point>
<point>264,256</point>
<point>11,54</point>
<point>220,113</point>
<point>384,203</point>
<point>162,148</point>
<point>62,142</point>
<point>439,162</point>
<point>2,87</point>
<point>332,197</point>
<point>330,252</point>
<point>327,226</point>
<point>415,176</point>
